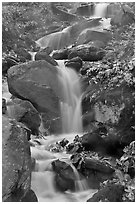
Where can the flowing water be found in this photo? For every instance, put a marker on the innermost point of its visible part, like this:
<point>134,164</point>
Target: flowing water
<point>71,104</point>
<point>100,10</point>
<point>43,178</point>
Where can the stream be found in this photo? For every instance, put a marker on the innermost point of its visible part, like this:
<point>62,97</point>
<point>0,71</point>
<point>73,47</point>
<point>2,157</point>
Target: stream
<point>43,176</point>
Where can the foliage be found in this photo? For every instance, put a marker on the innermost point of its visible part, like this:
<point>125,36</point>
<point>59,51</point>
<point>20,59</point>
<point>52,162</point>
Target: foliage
<point>122,173</point>
<point>25,20</point>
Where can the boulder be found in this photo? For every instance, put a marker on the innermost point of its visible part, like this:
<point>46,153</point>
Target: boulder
<point>110,193</point>
<point>24,112</point>
<point>74,63</point>
<point>60,54</point>
<point>65,177</point>
<point>16,161</point>
<point>86,53</point>
<point>38,83</point>
<point>46,57</point>
<point>120,14</point>
<point>94,35</point>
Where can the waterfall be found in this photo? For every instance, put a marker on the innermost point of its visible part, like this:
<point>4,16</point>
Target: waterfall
<point>32,55</point>
<point>71,104</point>
<point>100,9</point>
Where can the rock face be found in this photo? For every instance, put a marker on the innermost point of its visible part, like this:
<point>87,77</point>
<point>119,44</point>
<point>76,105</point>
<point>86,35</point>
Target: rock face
<point>37,82</point>
<point>16,160</point>
<point>111,193</point>
<point>7,63</point>
<point>24,112</point>
<point>65,177</point>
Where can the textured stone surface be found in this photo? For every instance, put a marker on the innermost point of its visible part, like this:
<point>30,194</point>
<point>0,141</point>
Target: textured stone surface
<point>37,82</point>
<point>24,111</point>
<point>16,161</point>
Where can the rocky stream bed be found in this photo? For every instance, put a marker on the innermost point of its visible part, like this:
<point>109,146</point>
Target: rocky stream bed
<point>39,162</point>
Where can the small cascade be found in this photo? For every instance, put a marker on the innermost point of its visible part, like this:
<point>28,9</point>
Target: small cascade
<point>43,177</point>
<point>71,104</point>
<point>100,10</point>
<point>32,55</point>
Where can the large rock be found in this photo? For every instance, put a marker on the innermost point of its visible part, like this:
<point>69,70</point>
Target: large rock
<point>120,14</point>
<point>60,54</point>
<point>86,53</point>
<point>65,177</point>
<point>24,112</point>
<point>37,82</point>
<point>45,56</point>
<point>93,36</point>
<point>16,161</point>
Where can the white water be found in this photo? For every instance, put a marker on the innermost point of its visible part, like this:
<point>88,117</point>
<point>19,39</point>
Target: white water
<point>100,10</point>
<point>71,104</point>
<point>32,55</point>
<point>43,178</point>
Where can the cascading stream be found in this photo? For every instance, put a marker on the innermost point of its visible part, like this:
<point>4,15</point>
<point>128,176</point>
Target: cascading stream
<point>71,104</point>
<point>43,177</point>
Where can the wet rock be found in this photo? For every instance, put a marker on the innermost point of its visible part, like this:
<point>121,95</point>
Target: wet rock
<point>24,112</point>
<point>16,161</point>
<point>68,36</point>
<point>52,124</point>
<point>110,193</point>
<point>30,197</point>
<point>45,56</point>
<point>61,54</point>
<point>86,53</point>
<point>65,177</point>
<point>75,63</point>
<point>4,107</point>
<point>94,36</point>
<point>37,82</point>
